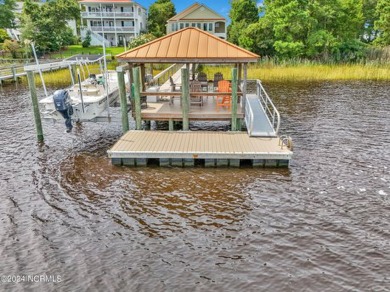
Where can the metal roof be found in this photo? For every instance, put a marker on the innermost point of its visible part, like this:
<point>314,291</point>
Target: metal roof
<point>188,45</point>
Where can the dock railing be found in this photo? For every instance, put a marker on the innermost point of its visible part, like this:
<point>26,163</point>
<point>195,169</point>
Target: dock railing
<point>163,76</point>
<point>268,106</point>
<point>249,119</point>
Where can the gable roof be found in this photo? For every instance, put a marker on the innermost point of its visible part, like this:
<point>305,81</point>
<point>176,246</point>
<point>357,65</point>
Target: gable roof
<point>186,13</point>
<point>188,45</point>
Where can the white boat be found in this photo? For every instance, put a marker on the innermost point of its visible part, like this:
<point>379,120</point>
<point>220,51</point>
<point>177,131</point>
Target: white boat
<point>89,102</point>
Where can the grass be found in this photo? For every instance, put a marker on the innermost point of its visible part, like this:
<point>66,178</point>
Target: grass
<point>308,72</point>
<point>304,72</point>
<point>78,49</point>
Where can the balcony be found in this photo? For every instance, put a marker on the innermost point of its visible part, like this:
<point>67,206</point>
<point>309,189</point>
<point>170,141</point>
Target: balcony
<point>113,28</point>
<point>107,14</point>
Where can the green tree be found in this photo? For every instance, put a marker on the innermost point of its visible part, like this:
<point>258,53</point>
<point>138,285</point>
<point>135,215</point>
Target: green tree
<point>46,25</point>
<point>242,14</point>
<point>3,35</point>
<point>7,13</point>
<point>11,46</point>
<point>383,22</point>
<point>87,41</point>
<point>140,40</point>
<point>369,33</point>
<point>159,13</point>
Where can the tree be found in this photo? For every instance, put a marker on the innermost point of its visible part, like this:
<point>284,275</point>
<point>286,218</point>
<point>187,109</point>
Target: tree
<point>87,41</point>
<point>3,35</point>
<point>46,25</point>
<point>11,46</point>
<point>6,13</point>
<point>140,40</point>
<point>242,14</point>
<point>369,33</point>
<point>159,13</point>
<point>383,22</point>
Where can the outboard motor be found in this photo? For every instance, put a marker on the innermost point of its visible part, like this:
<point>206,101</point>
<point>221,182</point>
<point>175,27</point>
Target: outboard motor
<point>63,105</point>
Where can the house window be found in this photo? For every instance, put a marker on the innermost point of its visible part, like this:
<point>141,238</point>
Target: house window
<point>205,26</point>
<point>199,25</point>
<point>187,24</point>
<point>210,27</point>
<point>193,24</point>
<point>181,25</point>
<point>216,25</point>
<point>121,9</point>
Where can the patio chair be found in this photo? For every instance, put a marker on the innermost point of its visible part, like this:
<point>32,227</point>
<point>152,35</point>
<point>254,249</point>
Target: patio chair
<point>202,77</point>
<point>217,77</point>
<point>196,86</point>
<point>224,100</point>
<point>174,88</point>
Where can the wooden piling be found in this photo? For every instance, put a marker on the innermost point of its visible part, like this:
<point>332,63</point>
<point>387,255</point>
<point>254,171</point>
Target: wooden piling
<point>137,99</point>
<point>234,99</point>
<point>122,95</point>
<point>34,98</point>
<point>185,98</point>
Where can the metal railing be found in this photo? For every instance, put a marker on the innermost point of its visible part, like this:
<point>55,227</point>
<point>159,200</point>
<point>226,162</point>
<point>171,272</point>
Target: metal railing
<point>112,28</point>
<point>269,107</point>
<point>107,14</point>
<point>249,118</point>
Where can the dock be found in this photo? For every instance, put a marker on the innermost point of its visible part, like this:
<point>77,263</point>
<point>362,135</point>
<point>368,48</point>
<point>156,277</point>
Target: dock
<point>190,148</point>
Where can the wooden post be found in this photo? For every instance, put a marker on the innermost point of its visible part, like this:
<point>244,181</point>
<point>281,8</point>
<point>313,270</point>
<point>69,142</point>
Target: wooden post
<point>73,71</point>
<point>234,99</point>
<point>170,125</point>
<point>14,73</point>
<point>185,104</point>
<point>130,75</point>
<point>137,98</point>
<point>143,87</point>
<point>34,98</point>
<point>122,95</point>
<point>244,87</point>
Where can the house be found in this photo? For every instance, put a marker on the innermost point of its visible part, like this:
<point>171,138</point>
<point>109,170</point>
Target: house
<point>199,16</point>
<point>112,21</point>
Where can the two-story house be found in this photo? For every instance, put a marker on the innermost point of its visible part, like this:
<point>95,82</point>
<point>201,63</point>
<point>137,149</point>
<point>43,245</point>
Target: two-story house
<point>200,16</point>
<point>112,21</point>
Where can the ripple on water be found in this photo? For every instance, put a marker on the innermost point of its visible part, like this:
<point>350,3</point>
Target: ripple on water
<point>322,225</point>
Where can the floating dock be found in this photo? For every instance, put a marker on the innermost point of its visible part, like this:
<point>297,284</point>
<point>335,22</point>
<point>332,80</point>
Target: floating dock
<point>190,148</point>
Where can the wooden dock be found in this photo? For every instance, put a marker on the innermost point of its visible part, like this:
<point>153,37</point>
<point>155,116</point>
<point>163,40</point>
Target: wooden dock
<point>190,148</point>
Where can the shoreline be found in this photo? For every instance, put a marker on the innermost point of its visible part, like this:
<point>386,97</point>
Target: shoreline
<point>265,73</point>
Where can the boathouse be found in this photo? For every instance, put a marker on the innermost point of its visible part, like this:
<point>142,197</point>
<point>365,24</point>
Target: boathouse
<point>188,95</point>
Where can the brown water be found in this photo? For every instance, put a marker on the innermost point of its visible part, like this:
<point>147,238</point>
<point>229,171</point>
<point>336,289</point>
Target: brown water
<point>321,225</point>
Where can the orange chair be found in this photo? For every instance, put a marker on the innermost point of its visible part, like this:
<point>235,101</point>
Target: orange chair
<point>224,100</point>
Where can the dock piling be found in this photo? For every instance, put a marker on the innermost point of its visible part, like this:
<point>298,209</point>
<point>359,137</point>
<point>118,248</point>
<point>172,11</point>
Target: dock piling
<point>34,98</point>
<point>234,99</point>
<point>137,99</point>
<point>122,94</point>
<point>185,98</point>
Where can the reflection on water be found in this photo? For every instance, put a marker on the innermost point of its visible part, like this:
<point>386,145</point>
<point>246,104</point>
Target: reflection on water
<point>322,225</point>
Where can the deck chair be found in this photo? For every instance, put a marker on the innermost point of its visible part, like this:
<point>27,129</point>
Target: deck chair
<point>196,86</point>
<point>202,77</point>
<point>217,77</point>
<point>174,88</point>
<point>224,100</point>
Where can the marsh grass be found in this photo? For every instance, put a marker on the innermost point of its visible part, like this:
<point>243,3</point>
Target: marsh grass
<point>308,72</point>
<point>62,78</point>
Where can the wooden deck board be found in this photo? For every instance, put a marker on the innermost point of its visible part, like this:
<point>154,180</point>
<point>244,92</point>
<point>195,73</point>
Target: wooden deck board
<point>199,144</point>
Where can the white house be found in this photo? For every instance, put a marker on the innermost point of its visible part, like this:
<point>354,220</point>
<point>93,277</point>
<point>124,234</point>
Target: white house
<point>112,21</point>
<point>200,16</point>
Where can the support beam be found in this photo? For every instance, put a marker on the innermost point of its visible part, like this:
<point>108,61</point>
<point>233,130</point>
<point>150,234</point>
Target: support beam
<point>137,99</point>
<point>122,94</point>
<point>234,99</point>
<point>34,98</point>
<point>244,87</point>
<point>185,98</point>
